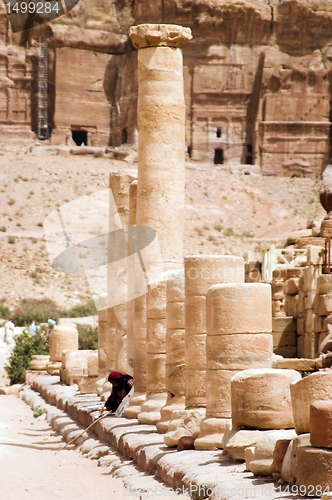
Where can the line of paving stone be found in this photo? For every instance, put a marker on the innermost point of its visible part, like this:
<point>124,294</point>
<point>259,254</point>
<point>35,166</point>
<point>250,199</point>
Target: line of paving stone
<point>137,452</point>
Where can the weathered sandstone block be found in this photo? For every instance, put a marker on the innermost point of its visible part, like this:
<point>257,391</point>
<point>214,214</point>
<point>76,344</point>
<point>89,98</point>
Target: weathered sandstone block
<point>314,470</point>
<point>324,284</point>
<point>211,434</point>
<point>39,362</point>
<point>195,314</point>
<point>203,271</point>
<point>175,346</point>
<point>195,354</point>
<point>239,351</point>
<point>156,372</point>
<point>279,453</point>
<point>262,462</point>
<point>150,409</point>
<point>314,256</point>
<point>323,305</point>
<point>175,380</point>
<point>232,308</point>
<point>156,335</point>
<point>321,424</point>
<point>195,388</point>
<point>175,315</point>
<point>309,279</point>
<point>261,398</point>
<point>317,386</point>
<point>156,300</point>
<point>92,364</point>
<point>62,338</point>
<point>184,423</point>
<point>292,286</point>
<point>218,393</point>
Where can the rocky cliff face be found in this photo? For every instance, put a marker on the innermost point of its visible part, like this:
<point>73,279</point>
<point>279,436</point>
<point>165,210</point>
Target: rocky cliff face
<point>258,77</point>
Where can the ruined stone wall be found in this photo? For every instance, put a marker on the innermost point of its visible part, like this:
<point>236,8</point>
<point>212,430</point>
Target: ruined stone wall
<point>257,77</point>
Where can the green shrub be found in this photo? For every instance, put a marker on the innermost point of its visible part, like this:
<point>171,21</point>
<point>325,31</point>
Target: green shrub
<point>11,240</point>
<point>3,229</point>
<point>25,347</point>
<point>87,337</point>
<point>4,311</point>
<point>35,309</point>
<point>39,412</point>
<point>80,310</point>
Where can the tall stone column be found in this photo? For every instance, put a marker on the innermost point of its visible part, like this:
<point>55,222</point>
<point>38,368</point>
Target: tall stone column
<point>120,184</point>
<point>161,135</point>
<point>112,335</point>
<point>201,272</point>
<point>131,283</point>
<point>161,177</point>
<point>136,330</point>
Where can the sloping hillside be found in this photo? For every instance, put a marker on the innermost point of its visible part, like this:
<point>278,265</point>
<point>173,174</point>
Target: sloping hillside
<point>225,213</point>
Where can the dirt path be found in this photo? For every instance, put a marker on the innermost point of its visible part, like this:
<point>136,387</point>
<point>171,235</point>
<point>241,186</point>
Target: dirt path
<point>30,466</point>
<point>32,469</point>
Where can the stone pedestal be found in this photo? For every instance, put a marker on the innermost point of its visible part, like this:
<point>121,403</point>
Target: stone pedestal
<point>314,387</point>
<point>239,336</point>
<point>201,272</point>
<point>261,398</point>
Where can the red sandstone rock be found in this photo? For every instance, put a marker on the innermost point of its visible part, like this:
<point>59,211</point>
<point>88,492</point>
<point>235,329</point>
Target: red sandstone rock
<point>321,424</point>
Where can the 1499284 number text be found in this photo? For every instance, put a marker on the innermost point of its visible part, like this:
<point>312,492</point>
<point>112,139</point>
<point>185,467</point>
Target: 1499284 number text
<point>32,7</point>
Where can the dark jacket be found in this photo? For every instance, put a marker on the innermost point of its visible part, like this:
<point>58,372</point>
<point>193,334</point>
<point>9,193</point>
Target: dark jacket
<point>124,385</point>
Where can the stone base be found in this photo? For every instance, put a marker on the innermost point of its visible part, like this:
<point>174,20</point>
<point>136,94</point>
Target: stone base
<point>314,470</point>
<point>135,405</point>
<point>150,409</point>
<point>184,423</point>
<point>54,367</point>
<point>30,374</point>
<point>87,385</point>
<point>211,434</point>
<point>261,463</point>
<point>39,362</point>
<point>177,403</point>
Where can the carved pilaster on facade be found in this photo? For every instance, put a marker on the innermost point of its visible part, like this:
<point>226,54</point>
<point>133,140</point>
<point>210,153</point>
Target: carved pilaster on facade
<point>159,35</point>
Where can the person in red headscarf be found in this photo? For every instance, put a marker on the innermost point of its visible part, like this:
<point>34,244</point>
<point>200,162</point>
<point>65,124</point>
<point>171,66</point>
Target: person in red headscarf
<point>121,386</point>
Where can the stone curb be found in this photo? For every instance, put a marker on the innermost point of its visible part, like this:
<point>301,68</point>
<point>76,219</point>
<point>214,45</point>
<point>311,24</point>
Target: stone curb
<point>133,450</point>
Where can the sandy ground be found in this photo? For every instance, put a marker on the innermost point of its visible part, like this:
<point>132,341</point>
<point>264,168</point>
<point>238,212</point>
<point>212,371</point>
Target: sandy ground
<point>32,469</point>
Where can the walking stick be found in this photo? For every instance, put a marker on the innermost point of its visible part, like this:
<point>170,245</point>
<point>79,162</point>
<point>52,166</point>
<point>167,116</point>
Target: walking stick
<point>89,427</point>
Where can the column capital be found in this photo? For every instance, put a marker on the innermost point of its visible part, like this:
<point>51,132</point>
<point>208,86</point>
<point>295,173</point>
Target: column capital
<point>159,35</point>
